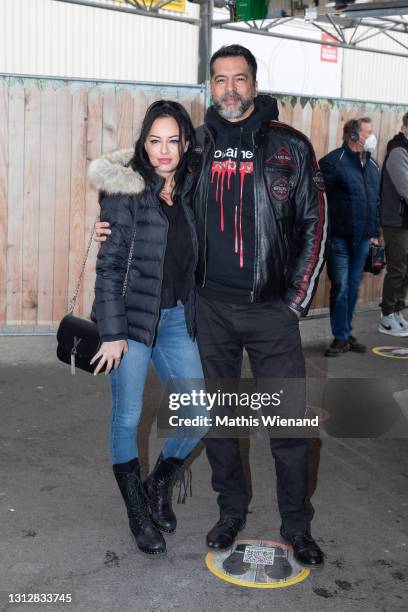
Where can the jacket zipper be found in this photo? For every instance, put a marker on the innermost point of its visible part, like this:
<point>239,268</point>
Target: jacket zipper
<point>238,166</point>
<point>205,214</point>
<point>256,170</point>
<point>237,193</point>
<point>161,277</point>
<point>195,251</point>
<point>285,240</point>
<point>366,192</point>
<point>205,239</point>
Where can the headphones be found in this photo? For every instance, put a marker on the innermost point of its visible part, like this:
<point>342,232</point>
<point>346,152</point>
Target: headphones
<point>355,136</point>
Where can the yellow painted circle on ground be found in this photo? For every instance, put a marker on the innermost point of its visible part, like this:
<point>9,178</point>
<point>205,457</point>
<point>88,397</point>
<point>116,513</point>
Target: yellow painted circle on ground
<point>391,352</point>
<point>211,558</point>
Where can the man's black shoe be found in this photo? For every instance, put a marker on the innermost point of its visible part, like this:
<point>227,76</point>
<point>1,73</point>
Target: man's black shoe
<point>356,346</point>
<point>337,348</point>
<point>305,549</point>
<point>223,534</point>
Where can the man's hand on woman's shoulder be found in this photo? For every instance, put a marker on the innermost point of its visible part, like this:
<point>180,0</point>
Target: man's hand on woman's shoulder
<point>102,231</point>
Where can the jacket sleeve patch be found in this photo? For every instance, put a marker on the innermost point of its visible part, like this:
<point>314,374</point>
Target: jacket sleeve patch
<point>319,180</point>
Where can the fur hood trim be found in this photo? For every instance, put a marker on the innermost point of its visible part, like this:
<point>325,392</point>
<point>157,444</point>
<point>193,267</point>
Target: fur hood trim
<point>110,174</point>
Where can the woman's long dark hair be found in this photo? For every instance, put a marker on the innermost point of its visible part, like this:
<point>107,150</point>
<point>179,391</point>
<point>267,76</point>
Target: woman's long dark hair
<point>140,161</point>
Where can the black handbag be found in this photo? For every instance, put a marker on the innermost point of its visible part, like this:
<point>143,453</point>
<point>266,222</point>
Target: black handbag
<point>375,260</point>
<point>78,341</point>
<point>78,338</point>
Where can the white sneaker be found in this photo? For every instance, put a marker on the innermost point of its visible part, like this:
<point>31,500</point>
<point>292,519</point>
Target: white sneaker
<point>389,325</point>
<point>399,317</point>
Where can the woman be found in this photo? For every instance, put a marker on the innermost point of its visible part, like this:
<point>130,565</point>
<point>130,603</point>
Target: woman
<point>145,200</point>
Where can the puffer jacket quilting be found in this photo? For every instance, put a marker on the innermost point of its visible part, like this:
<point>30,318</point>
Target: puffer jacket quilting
<point>131,207</point>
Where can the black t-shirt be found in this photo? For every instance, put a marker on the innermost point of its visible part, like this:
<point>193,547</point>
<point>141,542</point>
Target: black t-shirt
<point>178,258</point>
<point>231,205</point>
<point>231,213</point>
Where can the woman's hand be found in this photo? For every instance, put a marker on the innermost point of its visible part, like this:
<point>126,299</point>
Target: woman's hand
<point>109,353</point>
<point>102,231</point>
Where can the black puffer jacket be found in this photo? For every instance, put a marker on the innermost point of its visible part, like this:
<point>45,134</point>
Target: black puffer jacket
<point>127,201</point>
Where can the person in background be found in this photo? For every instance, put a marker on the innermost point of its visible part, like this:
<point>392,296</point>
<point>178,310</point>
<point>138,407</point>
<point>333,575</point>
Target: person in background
<point>352,180</point>
<point>145,197</point>
<point>394,221</point>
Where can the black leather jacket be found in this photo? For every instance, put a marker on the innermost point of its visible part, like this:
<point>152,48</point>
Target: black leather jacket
<point>290,213</point>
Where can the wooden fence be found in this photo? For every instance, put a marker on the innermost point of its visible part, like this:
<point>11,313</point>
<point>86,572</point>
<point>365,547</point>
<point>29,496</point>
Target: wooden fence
<point>50,130</point>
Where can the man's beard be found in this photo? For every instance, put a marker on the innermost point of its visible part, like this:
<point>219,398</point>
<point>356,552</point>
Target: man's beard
<point>234,113</point>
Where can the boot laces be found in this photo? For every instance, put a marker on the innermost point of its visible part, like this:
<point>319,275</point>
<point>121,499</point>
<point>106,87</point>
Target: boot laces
<point>184,482</point>
<point>140,510</point>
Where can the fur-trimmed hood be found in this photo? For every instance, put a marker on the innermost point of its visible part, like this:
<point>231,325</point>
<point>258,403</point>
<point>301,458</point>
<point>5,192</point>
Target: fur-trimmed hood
<point>110,174</point>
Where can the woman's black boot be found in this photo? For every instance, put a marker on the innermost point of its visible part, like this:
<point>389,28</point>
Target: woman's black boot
<point>147,535</point>
<point>159,488</point>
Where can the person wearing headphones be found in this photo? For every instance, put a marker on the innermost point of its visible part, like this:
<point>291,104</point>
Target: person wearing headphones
<point>352,180</point>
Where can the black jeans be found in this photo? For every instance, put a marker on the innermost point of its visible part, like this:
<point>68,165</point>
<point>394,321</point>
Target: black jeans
<point>396,279</point>
<point>269,332</point>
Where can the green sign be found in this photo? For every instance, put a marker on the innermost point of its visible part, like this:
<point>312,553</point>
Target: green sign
<point>248,10</point>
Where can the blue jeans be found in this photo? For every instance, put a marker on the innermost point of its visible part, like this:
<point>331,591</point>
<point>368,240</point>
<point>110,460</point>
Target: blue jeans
<point>175,356</point>
<point>345,267</point>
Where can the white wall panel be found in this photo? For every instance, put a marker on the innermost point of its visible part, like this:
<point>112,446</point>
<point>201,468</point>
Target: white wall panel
<point>371,76</point>
<point>44,37</point>
<point>286,65</point>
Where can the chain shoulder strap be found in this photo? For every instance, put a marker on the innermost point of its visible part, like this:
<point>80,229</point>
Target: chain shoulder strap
<point>73,300</point>
<point>132,245</point>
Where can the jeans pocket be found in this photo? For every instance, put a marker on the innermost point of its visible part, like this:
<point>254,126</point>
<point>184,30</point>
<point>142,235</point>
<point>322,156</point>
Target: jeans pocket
<point>289,310</point>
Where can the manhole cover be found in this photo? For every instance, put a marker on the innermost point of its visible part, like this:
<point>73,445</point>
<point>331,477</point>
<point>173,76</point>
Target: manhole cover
<point>260,564</point>
<point>393,352</point>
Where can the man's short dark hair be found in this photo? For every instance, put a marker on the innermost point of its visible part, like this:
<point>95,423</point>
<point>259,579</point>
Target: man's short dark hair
<point>235,51</point>
<point>353,126</point>
<point>405,120</point>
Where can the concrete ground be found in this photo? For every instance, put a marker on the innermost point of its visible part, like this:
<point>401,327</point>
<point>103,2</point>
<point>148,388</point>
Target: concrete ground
<point>63,527</point>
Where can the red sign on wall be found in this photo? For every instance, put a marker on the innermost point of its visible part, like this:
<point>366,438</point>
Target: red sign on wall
<point>327,52</point>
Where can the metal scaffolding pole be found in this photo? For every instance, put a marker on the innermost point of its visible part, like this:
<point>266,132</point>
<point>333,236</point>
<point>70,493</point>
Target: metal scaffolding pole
<point>206,23</point>
<point>341,45</point>
<point>205,45</point>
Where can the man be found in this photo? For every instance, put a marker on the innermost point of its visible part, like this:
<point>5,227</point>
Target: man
<point>261,221</point>
<point>352,180</point>
<point>394,221</point>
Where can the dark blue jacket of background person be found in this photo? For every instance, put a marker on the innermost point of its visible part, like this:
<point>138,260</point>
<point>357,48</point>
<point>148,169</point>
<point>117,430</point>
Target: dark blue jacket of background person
<point>353,195</point>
